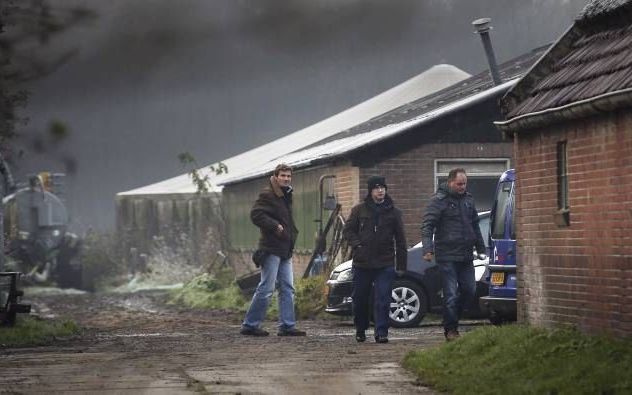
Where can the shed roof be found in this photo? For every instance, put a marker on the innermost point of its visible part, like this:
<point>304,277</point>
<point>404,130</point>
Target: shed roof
<point>592,59</point>
<point>431,80</point>
<point>459,96</point>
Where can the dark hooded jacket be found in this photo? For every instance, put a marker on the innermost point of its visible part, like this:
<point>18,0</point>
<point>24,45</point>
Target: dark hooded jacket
<point>453,220</point>
<point>274,207</point>
<point>376,234</point>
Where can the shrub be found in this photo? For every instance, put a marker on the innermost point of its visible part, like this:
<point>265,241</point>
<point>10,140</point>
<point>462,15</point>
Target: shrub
<point>101,265</point>
<point>311,296</point>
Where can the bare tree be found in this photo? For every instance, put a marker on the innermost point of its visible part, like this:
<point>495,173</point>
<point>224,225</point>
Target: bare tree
<point>26,28</point>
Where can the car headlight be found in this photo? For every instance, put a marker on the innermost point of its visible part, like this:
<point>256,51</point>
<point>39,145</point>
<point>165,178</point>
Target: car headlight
<point>345,275</point>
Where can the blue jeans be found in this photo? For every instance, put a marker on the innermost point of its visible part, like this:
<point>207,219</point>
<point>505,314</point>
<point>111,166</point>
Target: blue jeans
<point>459,287</point>
<point>381,281</point>
<point>275,273</point>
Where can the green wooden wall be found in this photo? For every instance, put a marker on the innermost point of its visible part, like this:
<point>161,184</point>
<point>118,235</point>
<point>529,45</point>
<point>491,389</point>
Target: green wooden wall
<point>239,198</point>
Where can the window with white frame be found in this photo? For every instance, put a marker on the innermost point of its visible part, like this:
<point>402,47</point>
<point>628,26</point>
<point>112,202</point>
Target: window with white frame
<point>482,177</point>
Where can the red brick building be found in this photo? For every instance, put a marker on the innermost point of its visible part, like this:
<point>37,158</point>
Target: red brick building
<point>571,121</point>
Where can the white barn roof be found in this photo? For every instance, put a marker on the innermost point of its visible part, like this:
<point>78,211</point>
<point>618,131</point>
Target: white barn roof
<point>253,161</point>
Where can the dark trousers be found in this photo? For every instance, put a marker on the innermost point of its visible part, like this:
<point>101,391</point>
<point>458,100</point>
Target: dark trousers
<point>459,286</point>
<point>364,280</point>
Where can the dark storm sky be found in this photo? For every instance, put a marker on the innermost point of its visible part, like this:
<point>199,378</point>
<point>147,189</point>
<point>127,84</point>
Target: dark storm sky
<point>155,78</point>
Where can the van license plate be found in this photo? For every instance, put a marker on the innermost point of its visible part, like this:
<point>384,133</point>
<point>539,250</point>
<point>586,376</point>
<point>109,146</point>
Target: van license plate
<point>498,278</point>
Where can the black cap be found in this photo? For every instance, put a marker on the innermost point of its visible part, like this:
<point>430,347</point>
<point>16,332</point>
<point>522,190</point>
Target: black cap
<point>375,181</point>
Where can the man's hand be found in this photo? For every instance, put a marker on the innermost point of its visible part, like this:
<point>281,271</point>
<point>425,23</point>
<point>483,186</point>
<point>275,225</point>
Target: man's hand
<point>482,257</point>
<point>428,256</point>
<point>279,229</point>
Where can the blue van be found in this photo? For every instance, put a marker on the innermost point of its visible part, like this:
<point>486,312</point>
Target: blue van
<point>500,304</point>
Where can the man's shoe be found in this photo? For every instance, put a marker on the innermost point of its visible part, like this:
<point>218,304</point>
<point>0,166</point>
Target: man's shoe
<point>253,332</point>
<point>381,339</point>
<point>291,332</point>
<point>360,336</point>
<point>452,335</point>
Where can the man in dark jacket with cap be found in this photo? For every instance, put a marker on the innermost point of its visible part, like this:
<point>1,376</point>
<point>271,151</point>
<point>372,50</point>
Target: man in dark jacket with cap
<point>452,219</point>
<point>375,231</point>
<point>272,213</point>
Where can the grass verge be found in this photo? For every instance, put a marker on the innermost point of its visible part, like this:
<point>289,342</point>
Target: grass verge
<point>216,291</point>
<point>208,291</point>
<point>517,359</point>
<point>29,331</point>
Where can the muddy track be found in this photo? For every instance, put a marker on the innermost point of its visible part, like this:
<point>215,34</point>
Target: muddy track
<point>135,343</point>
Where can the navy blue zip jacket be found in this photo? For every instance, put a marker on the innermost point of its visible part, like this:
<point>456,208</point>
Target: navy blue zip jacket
<point>453,220</point>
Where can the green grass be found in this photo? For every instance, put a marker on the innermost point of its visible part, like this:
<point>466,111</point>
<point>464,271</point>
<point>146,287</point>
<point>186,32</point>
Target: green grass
<point>517,359</point>
<point>33,331</point>
<point>210,292</point>
<point>207,291</point>
<point>311,297</point>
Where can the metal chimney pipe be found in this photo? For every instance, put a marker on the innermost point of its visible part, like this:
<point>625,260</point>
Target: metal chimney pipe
<point>483,27</point>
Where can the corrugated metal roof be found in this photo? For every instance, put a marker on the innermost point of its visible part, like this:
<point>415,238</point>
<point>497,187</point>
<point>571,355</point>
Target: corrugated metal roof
<point>456,97</point>
<point>428,82</point>
<point>350,142</point>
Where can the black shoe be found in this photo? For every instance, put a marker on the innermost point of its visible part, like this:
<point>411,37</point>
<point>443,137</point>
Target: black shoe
<point>381,339</point>
<point>253,332</point>
<point>291,332</point>
<point>452,335</point>
<point>360,336</point>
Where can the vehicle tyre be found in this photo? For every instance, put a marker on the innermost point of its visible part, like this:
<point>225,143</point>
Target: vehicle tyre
<point>69,273</point>
<point>409,304</point>
<point>496,319</point>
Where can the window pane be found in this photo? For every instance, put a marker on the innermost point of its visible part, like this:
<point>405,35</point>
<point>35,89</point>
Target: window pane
<point>562,176</point>
<point>484,225</point>
<point>498,227</point>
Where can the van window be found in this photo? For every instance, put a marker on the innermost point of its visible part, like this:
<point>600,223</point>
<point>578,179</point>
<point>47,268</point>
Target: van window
<point>502,201</point>
<point>483,223</point>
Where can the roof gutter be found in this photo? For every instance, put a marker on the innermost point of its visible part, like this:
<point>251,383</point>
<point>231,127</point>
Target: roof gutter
<point>606,102</point>
<point>405,125</point>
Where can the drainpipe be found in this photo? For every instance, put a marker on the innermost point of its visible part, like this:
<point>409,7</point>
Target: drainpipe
<point>482,27</point>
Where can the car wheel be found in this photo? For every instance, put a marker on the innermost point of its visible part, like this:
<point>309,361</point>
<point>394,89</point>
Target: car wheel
<point>409,304</point>
<point>497,319</point>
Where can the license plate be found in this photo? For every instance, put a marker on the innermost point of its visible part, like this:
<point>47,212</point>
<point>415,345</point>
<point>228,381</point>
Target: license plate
<point>498,278</point>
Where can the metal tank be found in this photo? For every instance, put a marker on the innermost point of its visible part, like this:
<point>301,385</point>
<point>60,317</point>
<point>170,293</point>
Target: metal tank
<point>37,241</point>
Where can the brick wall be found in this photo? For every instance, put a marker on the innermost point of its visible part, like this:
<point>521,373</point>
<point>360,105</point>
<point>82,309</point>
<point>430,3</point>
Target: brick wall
<point>347,190</point>
<point>410,176</point>
<point>579,274</point>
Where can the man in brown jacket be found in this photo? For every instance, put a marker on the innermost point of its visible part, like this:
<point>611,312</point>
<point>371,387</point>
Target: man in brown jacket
<point>272,213</point>
<point>375,231</point>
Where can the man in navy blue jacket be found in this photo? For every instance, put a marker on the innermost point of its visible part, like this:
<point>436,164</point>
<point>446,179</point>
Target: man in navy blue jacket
<point>452,219</point>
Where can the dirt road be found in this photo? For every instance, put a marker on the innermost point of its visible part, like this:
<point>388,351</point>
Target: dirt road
<point>135,344</point>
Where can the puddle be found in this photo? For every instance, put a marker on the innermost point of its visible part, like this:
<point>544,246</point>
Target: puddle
<point>142,335</point>
<point>48,291</point>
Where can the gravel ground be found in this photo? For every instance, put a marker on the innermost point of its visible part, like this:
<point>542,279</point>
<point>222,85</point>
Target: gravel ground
<point>134,343</point>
